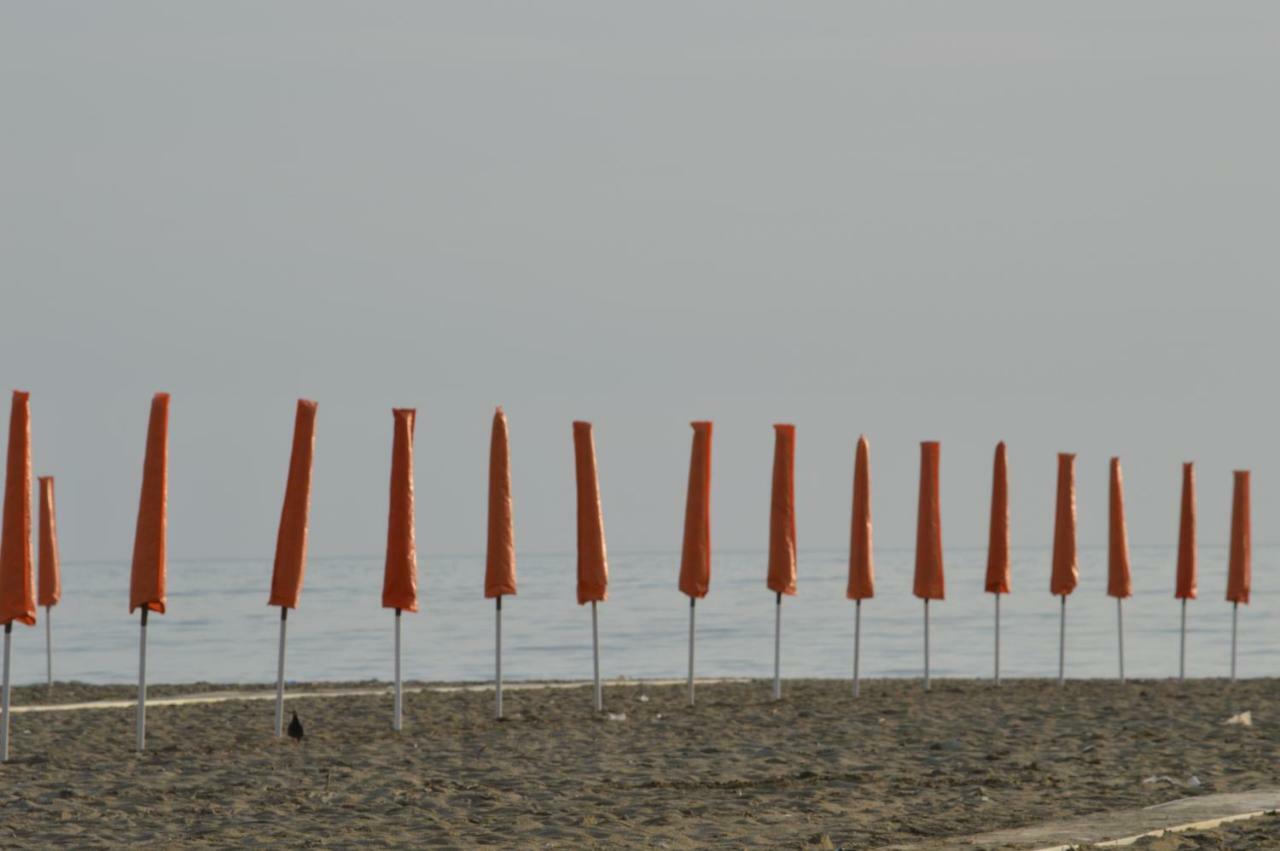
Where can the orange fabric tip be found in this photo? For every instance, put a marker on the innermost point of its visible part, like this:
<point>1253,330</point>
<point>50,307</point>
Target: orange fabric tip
<point>1119,583</point>
<point>862,576</point>
<point>17,591</point>
<point>695,556</point>
<point>400,575</point>
<point>50,574</point>
<point>1240,570</point>
<point>1066,569</point>
<point>593,561</point>
<point>782,512</point>
<point>147,581</point>
<point>291,540</point>
<point>998,574</point>
<point>1186,587</point>
<point>929,582</point>
<point>500,555</point>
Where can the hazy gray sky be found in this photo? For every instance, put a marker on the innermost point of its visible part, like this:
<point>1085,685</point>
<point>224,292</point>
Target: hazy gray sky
<point>1052,225</point>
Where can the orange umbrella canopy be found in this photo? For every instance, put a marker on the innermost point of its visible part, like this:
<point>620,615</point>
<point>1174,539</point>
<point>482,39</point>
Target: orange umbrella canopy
<point>1186,587</point>
<point>929,584</point>
<point>695,557</point>
<point>50,574</point>
<point>782,512</point>
<point>998,543</point>
<point>17,591</point>
<point>1066,571</point>
<point>1239,570</point>
<point>500,558</point>
<point>147,581</point>
<point>291,541</point>
<point>1119,584</point>
<point>593,561</point>
<point>400,575</point>
<point>862,580</point>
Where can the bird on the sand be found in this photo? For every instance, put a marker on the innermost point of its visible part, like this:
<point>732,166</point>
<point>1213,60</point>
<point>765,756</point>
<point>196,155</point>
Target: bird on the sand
<point>295,728</point>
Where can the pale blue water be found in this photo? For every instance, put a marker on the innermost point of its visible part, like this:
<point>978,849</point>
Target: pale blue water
<point>219,627</point>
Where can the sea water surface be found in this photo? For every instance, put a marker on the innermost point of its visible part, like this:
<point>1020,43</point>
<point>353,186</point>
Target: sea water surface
<point>219,628</point>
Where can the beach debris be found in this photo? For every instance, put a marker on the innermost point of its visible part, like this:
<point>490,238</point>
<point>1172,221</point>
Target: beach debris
<point>1242,719</point>
<point>1192,782</point>
<point>644,698</point>
<point>295,728</point>
<point>617,716</point>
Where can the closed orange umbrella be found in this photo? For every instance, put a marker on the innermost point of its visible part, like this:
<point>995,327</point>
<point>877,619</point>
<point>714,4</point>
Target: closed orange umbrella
<point>1066,572</point>
<point>17,586</point>
<point>1239,569</point>
<point>593,562</point>
<point>500,555</point>
<point>782,536</point>
<point>1186,579</point>
<point>400,574</point>
<point>1118,581</point>
<point>695,557</point>
<point>998,541</point>
<point>50,575</point>
<point>929,584</point>
<point>862,583</point>
<point>291,540</point>
<point>17,591</point>
<point>1119,584</point>
<point>147,579</point>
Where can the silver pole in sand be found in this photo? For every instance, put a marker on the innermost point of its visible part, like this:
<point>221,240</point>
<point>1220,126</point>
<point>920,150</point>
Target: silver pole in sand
<point>284,613</point>
<point>142,683</point>
<point>1182,644</point>
<point>497,657</point>
<point>1062,643</point>
<point>857,640</point>
<point>48,647</point>
<point>595,652</point>
<point>777,649</point>
<point>997,677</point>
<point>693,601</point>
<point>926,644</point>
<point>1235,611</point>
<point>398,720</point>
<point>1120,632</point>
<point>4,727</point>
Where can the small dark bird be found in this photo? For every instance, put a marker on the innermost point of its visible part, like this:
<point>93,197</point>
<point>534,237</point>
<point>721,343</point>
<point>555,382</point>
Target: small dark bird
<point>295,728</point>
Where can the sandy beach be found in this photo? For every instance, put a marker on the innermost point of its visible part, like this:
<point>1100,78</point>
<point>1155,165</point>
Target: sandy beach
<point>818,769</point>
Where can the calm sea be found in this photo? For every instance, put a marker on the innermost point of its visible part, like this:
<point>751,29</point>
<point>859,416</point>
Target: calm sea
<point>219,627</point>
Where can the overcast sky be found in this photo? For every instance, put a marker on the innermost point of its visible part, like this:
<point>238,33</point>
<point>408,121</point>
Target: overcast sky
<point>1053,225</point>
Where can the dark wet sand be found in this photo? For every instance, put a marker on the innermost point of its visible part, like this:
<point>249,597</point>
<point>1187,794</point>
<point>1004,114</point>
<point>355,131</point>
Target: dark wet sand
<point>819,769</point>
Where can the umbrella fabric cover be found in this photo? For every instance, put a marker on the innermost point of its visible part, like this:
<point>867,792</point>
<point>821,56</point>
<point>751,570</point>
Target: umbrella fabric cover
<point>782,512</point>
<point>862,577</point>
<point>500,557</point>
<point>1239,570</point>
<point>929,583</point>
<point>50,567</point>
<point>147,581</point>
<point>1186,587</point>
<point>1066,571</point>
<point>1119,584</point>
<point>400,575</point>
<point>998,578</point>
<point>17,591</point>
<point>291,541</point>
<point>593,560</point>
<point>695,556</point>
